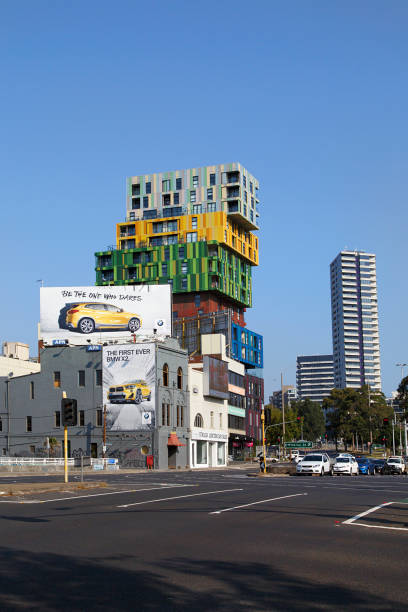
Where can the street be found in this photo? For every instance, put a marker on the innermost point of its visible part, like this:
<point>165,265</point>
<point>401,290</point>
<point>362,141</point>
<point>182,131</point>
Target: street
<point>208,541</point>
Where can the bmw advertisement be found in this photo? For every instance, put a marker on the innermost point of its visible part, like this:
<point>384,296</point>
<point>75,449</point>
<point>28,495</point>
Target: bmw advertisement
<point>129,386</point>
<point>94,315</point>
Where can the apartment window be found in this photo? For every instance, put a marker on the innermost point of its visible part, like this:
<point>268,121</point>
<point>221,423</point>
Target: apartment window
<point>180,378</point>
<point>184,284</point>
<point>180,416</point>
<point>220,415</point>
<point>176,198</point>
<point>251,187</point>
<point>198,421</point>
<point>145,202</point>
<point>164,269</point>
<point>181,252</point>
<point>166,185</point>
<point>245,210</point>
<point>99,418</point>
<point>148,187</point>
<point>192,196</point>
<point>31,390</point>
<point>29,423</point>
<point>212,419</point>
<point>184,267</point>
<point>211,207</point>
<point>194,223</point>
<point>57,379</point>
<point>57,418</point>
<point>166,199</point>
<point>82,418</point>
<point>136,189</point>
<point>165,414</point>
<point>244,180</point>
<point>210,194</point>
<point>81,378</point>
<point>195,181</point>
<point>212,179</point>
<point>191,236</point>
<point>179,184</point>
<point>197,209</point>
<point>246,196</point>
<point>135,203</point>
<point>165,375</point>
<point>98,378</point>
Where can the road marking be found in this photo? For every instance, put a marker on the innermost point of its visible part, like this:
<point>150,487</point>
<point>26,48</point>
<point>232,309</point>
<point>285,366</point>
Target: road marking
<point>351,521</point>
<point>152,501</point>
<point>48,501</point>
<point>263,501</point>
<point>358,516</point>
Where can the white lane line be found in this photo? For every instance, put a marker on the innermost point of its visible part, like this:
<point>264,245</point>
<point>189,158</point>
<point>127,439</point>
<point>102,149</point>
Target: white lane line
<point>152,501</point>
<point>358,516</point>
<point>378,527</point>
<point>48,501</point>
<point>263,501</point>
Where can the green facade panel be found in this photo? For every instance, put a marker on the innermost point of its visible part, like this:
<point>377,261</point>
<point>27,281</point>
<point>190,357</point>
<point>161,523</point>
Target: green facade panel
<point>188,267</point>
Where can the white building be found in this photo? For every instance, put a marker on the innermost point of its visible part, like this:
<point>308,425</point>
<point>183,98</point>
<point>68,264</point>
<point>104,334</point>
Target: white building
<point>356,345</point>
<point>314,377</point>
<point>15,360</point>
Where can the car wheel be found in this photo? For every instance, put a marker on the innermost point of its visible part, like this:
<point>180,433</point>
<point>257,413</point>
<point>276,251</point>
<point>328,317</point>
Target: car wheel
<point>138,397</point>
<point>322,472</point>
<point>134,325</point>
<point>86,325</point>
<point>149,397</point>
<point>331,473</point>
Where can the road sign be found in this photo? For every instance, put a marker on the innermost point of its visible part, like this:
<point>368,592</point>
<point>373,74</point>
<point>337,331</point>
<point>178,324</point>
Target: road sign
<point>298,445</point>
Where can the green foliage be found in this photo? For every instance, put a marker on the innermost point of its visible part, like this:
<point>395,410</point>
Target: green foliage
<point>274,427</point>
<point>311,413</point>
<point>354,412</point>
<point>403,396</point>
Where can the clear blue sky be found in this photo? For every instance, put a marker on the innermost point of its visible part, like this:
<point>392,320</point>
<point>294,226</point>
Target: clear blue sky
<point>310,96</point>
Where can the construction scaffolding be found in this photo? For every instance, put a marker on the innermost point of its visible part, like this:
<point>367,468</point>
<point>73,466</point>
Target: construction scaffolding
<point>188,330</point>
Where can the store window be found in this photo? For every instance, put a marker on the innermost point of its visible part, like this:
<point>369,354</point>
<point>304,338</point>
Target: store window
<point>221,453</point>
<point>201,452</point>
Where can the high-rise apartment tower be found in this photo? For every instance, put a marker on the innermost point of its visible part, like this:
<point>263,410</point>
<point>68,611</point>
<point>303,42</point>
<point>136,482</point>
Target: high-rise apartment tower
<point>356,345</point>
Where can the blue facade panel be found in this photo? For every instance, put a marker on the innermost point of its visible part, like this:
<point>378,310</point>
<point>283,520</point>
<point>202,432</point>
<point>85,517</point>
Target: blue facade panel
<point>246,346</point>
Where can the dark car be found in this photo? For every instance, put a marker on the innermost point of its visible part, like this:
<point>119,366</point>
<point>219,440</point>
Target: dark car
<point>378,464</point>
<point>365,466</point>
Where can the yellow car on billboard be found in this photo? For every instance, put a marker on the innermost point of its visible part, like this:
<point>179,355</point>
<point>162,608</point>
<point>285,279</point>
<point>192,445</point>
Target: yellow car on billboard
<point>86,317</point>
<point>129,393</point>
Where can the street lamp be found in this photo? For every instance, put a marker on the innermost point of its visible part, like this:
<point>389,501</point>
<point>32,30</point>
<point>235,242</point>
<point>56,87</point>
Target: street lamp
<point>402,366</point>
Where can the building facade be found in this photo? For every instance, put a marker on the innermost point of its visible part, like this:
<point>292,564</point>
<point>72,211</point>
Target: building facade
<point>289,395</point>
<point>356,344</point>
<point>193,229</point>
<point>314,377</point>
<point>32,409</point>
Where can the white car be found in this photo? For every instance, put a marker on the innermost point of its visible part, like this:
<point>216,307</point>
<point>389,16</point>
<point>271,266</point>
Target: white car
<point>345,465</point>
<point>394,465</point>
<point>345,455</point>
<point>298,456</point>
<point>315,463</point>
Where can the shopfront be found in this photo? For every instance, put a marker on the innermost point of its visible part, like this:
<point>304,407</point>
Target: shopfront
<point>208,448</point>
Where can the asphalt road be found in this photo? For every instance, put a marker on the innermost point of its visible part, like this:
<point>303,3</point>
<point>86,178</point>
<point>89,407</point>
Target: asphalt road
<point>209,541</point>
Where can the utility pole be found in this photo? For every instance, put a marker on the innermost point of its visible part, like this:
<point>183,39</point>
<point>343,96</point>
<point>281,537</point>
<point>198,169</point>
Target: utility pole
<point>283,415</point>
<point>393,435</point>
<point>369,414</point>
<point>64,395</point>
<point>263,436</point>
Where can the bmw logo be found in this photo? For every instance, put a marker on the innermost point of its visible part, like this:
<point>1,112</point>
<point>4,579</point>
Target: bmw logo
<point>160,322</point>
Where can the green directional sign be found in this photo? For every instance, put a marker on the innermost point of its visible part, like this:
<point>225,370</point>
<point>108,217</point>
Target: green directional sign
<point>298,445</point>
<point>374,446</point>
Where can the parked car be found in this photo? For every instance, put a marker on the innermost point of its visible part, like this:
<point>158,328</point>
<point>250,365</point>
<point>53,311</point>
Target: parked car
<point>394,465</point>
<point>315,463</point>
<point>378,465</point>
<point>298,456</point>
<point>366,466</point>
<point>130,393</point>
<point>86,317</point>
<point>345,465</point>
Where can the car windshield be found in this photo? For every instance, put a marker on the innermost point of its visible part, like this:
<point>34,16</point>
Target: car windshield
<point>394,460</point>
<point>362,460</point>
<point>313,458</point>
<point>342,460</point>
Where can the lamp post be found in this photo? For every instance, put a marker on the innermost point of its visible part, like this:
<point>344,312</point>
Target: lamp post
<point>263,437</point>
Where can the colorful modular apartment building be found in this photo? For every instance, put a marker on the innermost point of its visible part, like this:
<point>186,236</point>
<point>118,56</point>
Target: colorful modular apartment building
<point>193,229</point>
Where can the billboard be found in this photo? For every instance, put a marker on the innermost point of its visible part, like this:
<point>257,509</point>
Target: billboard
<point>96,314</point>
<point>215,377</point>
<point>129,386</point>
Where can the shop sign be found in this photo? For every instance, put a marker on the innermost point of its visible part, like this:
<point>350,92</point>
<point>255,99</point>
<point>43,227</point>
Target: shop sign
<point>212,436</point>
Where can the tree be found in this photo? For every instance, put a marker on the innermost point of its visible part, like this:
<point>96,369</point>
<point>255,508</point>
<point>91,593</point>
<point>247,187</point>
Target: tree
<point>357,414</point>
<point>402,396</point>
<point>274,428</point>
<point>314,424</point>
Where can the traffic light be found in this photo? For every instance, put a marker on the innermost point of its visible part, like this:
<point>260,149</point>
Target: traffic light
<point>298,419</point>
<point>69,412</point>
<point>385,421</point>
<point>384,440</point>
<point>278,439</point>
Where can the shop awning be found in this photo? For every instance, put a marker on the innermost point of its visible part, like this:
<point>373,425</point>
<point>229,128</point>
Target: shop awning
<point>173,440</point>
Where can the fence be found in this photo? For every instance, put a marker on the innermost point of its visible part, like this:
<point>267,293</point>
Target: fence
<point>52,461</point>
